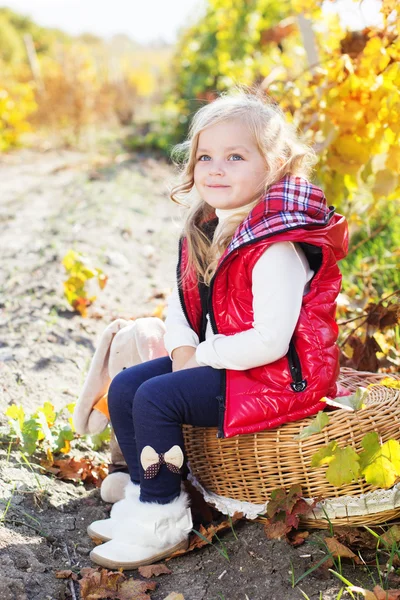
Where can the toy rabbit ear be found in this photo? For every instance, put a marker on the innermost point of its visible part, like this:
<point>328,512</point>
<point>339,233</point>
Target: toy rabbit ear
<point>149,335</point>
<point>96,384</point>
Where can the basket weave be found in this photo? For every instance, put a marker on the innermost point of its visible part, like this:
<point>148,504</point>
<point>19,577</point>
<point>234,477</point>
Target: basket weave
<point>248,467</point>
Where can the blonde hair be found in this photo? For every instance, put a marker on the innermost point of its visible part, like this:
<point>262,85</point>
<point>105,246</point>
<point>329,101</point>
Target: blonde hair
<point>277,141</point>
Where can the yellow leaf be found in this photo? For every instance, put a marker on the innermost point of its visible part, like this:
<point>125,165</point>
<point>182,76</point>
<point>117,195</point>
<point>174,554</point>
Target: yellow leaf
<point>17,413</point>
<point>159,310</point>
<point>50,456</point>
<point>66,448</point>
<point>393,159</point>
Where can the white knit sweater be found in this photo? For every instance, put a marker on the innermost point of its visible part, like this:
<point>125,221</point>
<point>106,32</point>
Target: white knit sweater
<point>279,280</point>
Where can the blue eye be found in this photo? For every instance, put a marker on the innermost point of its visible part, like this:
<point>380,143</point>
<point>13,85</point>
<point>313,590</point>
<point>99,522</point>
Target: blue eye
<point>203,155</point>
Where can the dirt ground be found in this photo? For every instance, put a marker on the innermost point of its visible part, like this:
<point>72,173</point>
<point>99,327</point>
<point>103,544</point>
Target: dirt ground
<point>119,215</point>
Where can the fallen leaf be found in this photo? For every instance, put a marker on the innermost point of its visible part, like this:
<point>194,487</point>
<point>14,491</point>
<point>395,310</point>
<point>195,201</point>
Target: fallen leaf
<point>154,570</point>
<point>381,594</point>
<point>97,541</point>
<point>174,596</point>
<point>88,571</point>
<point>354,536</point>
<point>337,549</point>
<point>315,426</point>
<point>389,382</point>
<point>380,464</point>
<point>66,574</point>
<point>367,594</point>
<point>196,541</point>
<point>352,402</point>
<point>276,530</point>
<point>73,469</point>
<point>296,538</point>
<point>343,463</point>
<point>114,586</point>
<point>391,536</point>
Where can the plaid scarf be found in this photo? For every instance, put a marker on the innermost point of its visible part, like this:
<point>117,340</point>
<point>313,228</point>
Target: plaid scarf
<point>290,203</point>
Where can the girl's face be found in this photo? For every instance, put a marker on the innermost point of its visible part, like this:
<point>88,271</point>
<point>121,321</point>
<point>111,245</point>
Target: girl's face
<point>229,170</point>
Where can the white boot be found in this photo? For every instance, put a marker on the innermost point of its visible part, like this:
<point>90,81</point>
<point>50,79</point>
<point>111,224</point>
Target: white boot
<point>113,487</point>
<point>103,529</point>
<point>148,533</point>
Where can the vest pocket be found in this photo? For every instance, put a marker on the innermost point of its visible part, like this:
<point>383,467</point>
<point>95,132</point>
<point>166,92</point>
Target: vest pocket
<point>298,384</point>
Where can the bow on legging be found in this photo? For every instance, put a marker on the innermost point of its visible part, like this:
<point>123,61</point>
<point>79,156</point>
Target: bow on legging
<point>151,461</point>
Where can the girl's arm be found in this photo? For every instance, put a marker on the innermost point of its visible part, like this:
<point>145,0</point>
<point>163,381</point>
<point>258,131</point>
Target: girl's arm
<point>180,340</point>
<point>278,282</point>
<point>181,356</point>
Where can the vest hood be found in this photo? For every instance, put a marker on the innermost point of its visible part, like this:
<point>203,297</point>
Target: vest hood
<point>293,203</point>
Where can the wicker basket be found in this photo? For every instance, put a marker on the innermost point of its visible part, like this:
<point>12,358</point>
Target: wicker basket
<point>248,467</point>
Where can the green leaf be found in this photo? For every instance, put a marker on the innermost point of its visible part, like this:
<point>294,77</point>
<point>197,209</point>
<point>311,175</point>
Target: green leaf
<point>315,426</point>
<point>30,434</point>
<point>98,440</point>
<point>371,445</point>
<point>380,464</point>
<point>343,463</point>
<point>44,428</point>
<point>344,467</point>
<point>353,402</point>
<point>324,455</point>
<point>66,434</point>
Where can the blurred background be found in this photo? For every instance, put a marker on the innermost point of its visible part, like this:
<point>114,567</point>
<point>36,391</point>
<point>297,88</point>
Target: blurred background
<point>127,76</point>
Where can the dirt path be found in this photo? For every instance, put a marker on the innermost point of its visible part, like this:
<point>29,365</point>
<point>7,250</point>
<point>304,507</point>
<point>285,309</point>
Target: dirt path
<point>120,215</point>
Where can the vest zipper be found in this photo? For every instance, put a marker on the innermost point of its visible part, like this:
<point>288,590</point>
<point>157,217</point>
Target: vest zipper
<point>221,414</point>
<point>298,384</point>
<point>180,291</point>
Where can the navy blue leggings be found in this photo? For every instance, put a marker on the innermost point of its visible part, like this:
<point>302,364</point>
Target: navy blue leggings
<point>148,403</point>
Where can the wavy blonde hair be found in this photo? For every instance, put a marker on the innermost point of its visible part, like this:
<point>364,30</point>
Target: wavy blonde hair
<point>276,139</point>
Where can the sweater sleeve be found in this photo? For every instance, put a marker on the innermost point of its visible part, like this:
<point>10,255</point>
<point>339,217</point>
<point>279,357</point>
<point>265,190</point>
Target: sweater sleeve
<point>179,332</point>
<point>278,282</point>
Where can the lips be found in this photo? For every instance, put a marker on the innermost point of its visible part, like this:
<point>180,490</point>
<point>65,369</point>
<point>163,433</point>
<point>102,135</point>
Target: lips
<point>218,186</point>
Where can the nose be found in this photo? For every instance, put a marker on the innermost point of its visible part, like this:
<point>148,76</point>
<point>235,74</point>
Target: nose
<point>215,168</point>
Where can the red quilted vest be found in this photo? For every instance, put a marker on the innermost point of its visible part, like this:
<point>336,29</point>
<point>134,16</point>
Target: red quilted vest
<point>290,388</point>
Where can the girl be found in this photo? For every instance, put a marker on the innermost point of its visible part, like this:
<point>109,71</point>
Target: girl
<point>250,327</point>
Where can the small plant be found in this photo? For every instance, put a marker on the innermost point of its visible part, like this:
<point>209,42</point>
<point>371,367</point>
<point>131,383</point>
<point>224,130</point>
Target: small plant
<point>46,431</point>
<point>40,430</point>
<point>283,514</point>
<point>80,271</point>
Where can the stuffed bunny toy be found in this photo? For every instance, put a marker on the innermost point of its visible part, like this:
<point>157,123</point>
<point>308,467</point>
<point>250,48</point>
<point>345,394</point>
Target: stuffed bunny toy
<point>121,345</point>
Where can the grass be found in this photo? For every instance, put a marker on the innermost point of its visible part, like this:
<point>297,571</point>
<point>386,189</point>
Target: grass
<point>384,550</point>
<point>223,551</point>
<point>373,259</point>
<point>3,516</point>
